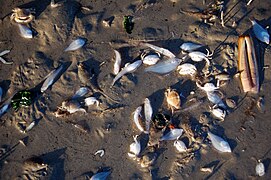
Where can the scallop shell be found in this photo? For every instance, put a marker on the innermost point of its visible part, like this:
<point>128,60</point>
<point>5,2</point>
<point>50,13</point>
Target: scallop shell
<point>76,44</point>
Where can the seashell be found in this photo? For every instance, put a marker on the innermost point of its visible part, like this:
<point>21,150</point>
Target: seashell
<point>91,101</point>
<point>172,134</point>
<point>128,69</point>
<point>198,56</point>
<point>51,78</point>
<point>163,51</point>
<point>137,118</point>
<point>164,67</point>
<point>214,98</point>
<point>80,93</point>
<point>260,33</point>
<point>189,46</point>
<point>76,44</point>
<point>148,113</point>
<point>187,69</point>
<point>219,143</point>
<point>150,59</point>
<point>4,109</point>
<point>219,113</point>
<point>117,62</point>
<point>247,65</point>
<point>173,99</point>
<point>135,148</point>
<point>25,31</point>
<point>101,175</point>
<point>180,146</point>
<point>1,94</point>
<point>260,171</point>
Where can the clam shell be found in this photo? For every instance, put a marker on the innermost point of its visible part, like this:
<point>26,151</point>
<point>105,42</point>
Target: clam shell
<point>76,44</point>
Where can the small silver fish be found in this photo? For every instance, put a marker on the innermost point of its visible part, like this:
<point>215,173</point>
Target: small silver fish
<point>172,135</point>
<point>117,62</point>
<point>163,51</point>
<point>189,46</point>
<point>219,143</point>
<point>148,113</point>
<point>76,44</point>
<point>260,33</point>
<point>25,31</point>
<point>180,146</point>
<point>127,69</point>
<point>51,78</point>
<point>80,93</point>
<point>100,175</point>
<point>137,118</point>
<point>164,67</point>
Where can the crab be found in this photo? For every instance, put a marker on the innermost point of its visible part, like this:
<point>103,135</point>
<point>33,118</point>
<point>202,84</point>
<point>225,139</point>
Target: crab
<point>34,168</point>
<point>173,99</point>
<point>22,15</point>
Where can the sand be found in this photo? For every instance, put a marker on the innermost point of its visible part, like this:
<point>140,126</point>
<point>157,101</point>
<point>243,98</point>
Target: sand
<point>69,151</point>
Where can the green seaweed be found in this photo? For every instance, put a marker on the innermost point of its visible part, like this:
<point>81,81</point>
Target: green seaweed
<point>21,98</point>
<point>128,24</point>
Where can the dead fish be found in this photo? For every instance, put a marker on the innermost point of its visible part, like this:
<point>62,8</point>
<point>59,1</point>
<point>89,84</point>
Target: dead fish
<point>80,93</point>
<point>25,31</point>
<point>219,143</point>
<point>164,67</point>
<point>51,78</point>
<point>219,113</point>
<point>214,98</point>
<point>76,44</point>
<point>163,51</point>
<point>148,113</point>
<point>198,56</point>
<point>100,175</point>
<point>137,118</point>
<point>128,69</point>
<point>189,46</point>
<point>117,62</point>
<point>150,59</point>
<point>172,134</point>
<point>260,33</point>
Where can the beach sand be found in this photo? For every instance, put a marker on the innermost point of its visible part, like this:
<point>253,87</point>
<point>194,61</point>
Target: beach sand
<point>69,151</point>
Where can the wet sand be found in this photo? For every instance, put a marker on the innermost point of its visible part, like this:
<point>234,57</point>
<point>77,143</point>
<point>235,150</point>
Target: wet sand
<point>69,151</point>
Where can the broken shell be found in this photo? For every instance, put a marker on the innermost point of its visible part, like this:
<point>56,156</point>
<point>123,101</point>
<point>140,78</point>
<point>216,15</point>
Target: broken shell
<point>165,66</point>
<point>148,159</point>
<point>101,152</point>
<point>72,106</point>
<point>189,46</point>
<point>207,169</point>
<point>260,171</point>
<point>180,146</point>
<point>173,99</point>
<point>138,118</point>
<point>230,103</point>
<point>51,78</point>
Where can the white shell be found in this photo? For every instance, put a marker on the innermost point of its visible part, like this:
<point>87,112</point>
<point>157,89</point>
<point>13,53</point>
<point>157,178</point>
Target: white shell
<point>260,33</point>
<point>219,143</point>
<point>163,51</point>
<point>135,148</point>
<point>260,169</point>
<point>198,56</point>
<point>127,69</point>
<point>137,118</point>
<point>172,135</point>
<point>100,175</point>
<point>215,99</point>
<point>25,31</point>
<point>148,113</point>
<point>189,46</point>
<point>165,66</point>
<point>51,78</point>
<point>187,69</point>
<point>91,101</point>
<point>3,109</point>
<point>76,44</point>
<point>219,113</point>
<point>180,146</point>
<point>80,92</point>
<point>117,62</point>
<point>151,59</point>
